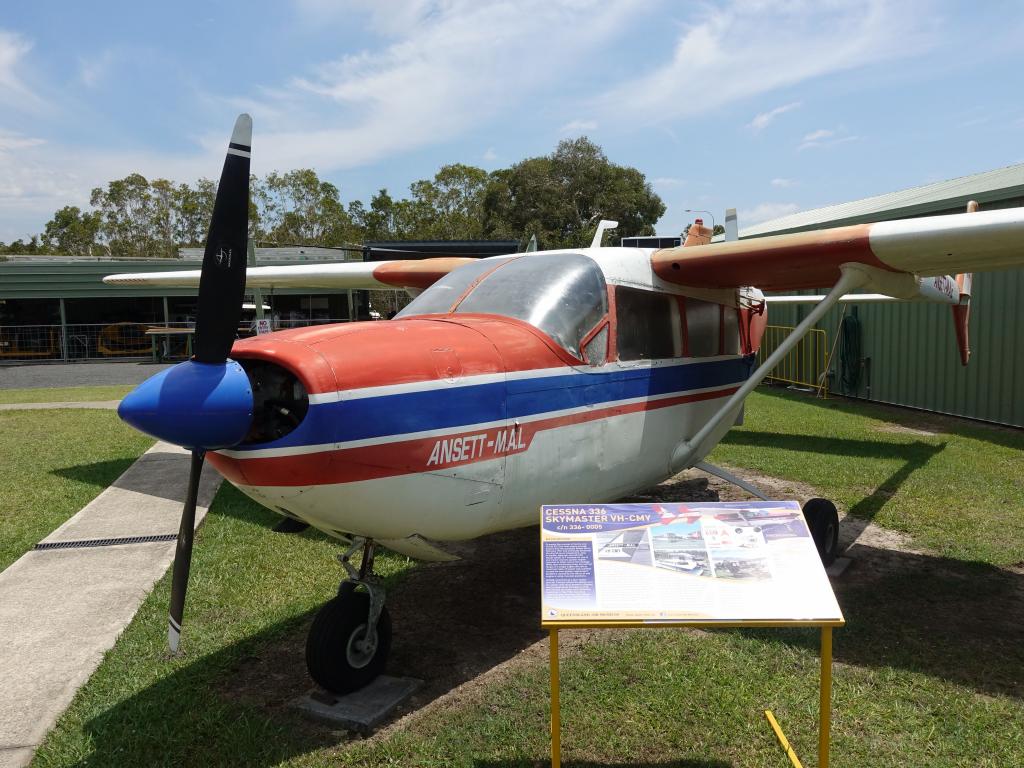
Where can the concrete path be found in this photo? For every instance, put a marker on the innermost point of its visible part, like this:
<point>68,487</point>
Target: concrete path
<point>111,404</point>
<point>62,609</point>
<point>31,375</point>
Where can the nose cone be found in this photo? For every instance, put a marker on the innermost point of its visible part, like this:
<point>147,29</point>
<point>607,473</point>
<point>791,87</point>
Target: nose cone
<point>195,405</point>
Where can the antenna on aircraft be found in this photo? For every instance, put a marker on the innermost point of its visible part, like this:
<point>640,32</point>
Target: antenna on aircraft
<point>605,224</point>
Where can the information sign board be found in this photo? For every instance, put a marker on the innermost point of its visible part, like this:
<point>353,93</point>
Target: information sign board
<point>722,562</point>
<point>263,325</point>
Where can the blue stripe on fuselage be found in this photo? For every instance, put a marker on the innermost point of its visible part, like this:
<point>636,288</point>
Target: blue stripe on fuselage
<point>449,407</point>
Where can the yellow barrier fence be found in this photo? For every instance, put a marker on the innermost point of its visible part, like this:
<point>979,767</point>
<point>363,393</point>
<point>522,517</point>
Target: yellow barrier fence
<point>806,364</point>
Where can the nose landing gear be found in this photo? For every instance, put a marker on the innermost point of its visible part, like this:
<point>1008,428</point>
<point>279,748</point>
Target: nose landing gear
<point>350,638</point>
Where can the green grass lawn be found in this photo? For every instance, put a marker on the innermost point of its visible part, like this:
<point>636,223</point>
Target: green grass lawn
<point>63,394</point>
<point>54,463</point>
<point>959,491</point>
<point>928,668</point>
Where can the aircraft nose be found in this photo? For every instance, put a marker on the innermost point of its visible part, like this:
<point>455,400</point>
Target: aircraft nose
<point>194,405</point>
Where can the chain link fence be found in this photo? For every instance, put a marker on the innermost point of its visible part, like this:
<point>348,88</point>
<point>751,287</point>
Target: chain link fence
<point>806,365</point>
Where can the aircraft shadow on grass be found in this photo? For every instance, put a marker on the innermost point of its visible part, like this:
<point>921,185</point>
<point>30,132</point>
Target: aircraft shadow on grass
<point>949,619</point>
<point>913,455</point>
<point>1008,437</point>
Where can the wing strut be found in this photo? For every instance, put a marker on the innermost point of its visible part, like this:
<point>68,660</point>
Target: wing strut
<point>852,277</point>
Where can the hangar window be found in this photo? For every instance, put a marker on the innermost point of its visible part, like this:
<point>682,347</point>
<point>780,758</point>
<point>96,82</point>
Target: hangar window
<point>647,325</point>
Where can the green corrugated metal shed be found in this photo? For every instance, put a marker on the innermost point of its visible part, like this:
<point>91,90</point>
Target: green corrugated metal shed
<point>911,348</point>
<point>71,278</point>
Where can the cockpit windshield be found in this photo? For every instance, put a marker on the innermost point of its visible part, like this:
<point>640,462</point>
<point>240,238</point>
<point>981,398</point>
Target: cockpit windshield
<point>562,294</point>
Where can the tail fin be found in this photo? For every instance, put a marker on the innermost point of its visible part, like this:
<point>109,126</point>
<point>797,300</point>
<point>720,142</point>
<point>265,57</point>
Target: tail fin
<point>732,227</point>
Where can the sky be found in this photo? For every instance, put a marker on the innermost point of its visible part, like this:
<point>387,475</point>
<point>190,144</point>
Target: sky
<point>769,106</point>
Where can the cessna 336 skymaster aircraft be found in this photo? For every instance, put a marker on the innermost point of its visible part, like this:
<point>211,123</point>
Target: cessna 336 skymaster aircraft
<point>568,376</point>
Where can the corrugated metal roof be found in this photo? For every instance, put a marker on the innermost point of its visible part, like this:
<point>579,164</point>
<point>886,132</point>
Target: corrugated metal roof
<point>275,255</point>
<point>1002,184</point>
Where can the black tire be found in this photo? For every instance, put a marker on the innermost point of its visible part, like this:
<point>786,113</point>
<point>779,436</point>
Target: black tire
<point>331,657</point>
<point>823,521</point>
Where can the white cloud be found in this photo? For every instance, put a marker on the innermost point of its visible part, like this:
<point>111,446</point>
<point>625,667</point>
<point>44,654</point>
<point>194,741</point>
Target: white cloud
<point>764,119</point>
<point>93,70</point>
<point>783,183</point>
<point>579,126</point>
<point>451,67</point>
<point>738,49</point>
<point>13,91</point>
<point>490,155</point>
<point>387,18</point>
<point>41,177</point>
<point>447,68</point>
<point>825,137</point>
<point>667,181</point>
<point>9,141</point>
<point>821,133</point>
<point>765,212</point>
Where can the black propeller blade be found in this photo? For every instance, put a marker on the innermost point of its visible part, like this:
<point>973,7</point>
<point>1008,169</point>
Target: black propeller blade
<point>221,286</point>
<point>183,552</point>
<point>222,282</point>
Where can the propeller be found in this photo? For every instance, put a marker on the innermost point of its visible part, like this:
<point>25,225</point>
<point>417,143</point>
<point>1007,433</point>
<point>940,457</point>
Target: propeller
<point>206,402</point>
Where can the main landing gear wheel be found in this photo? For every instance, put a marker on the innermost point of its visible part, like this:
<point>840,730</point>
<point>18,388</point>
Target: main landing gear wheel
<point>823,521</point>
<point>350,639</point>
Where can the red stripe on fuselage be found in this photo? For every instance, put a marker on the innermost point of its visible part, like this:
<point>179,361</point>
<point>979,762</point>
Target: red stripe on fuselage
<point>406,457</point>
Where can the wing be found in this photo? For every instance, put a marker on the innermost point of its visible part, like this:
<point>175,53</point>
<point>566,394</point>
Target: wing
<point>905,248</point>
<point>370,275</point>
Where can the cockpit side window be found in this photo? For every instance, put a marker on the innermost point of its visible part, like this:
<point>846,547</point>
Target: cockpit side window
<point>562,294</point>
<point>647,324</point>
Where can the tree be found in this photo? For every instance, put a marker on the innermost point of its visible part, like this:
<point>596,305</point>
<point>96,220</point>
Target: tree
<point>72,232</point>
<point>125,211</point>
<point>563,196</point>
<point>194,208</point>
<point>32,248</point>
<point>450,207</point>
<point>387,219</point>
<point>298,208</point>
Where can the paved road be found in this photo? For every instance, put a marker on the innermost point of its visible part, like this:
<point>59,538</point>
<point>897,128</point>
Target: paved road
<point>100,404</point>
<point>76,374</point>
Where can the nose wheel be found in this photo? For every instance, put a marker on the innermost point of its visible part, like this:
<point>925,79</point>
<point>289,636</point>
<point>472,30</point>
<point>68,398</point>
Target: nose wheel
<point>350,639</point>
